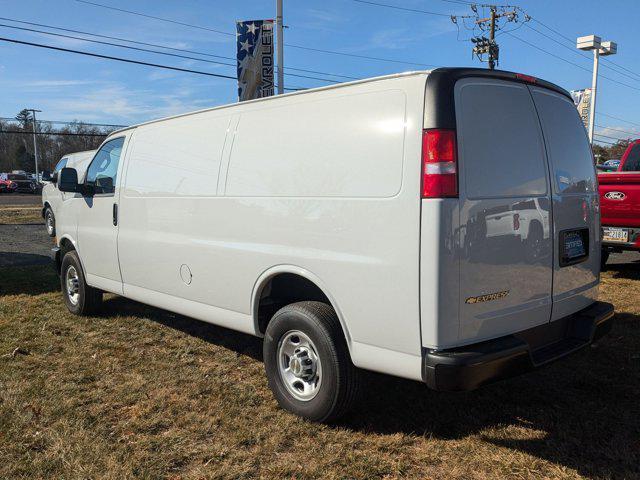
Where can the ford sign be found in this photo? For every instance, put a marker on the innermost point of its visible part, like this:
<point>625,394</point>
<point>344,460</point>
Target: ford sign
<point>614,196</point>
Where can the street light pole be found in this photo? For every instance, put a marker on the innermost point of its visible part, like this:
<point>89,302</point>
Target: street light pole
<point>280,33</point>
<point>35,143</point>
<point>594,86</point>
<point>600,48</point>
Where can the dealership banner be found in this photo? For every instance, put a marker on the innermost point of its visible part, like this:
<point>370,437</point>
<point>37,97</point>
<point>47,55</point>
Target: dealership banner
<point>255,59</point>
<point>582,100</point>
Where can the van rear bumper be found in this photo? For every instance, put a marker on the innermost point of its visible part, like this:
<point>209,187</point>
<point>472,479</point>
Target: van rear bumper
<point>468,367</point>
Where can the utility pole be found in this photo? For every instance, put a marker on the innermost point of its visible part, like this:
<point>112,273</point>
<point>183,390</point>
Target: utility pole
<point>280,33</point>
<point>488,46</point>
<point>35,144</point>
<point>492,40</point>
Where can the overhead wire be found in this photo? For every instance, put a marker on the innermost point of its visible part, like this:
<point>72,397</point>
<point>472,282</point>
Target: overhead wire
<point>288,45</point>
<point>58,122</point>
<point>166,47</point>
<point>129,47</point>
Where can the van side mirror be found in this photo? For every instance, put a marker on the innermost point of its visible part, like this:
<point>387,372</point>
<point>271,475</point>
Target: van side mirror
<point>68,180</point>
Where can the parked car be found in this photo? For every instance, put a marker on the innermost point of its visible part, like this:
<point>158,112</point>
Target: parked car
<point>329,222</point>
<point>8,186</point>
<point>609,166</point>
<point>620,204</point>
<point>24,184</point>
<point>51,196</point>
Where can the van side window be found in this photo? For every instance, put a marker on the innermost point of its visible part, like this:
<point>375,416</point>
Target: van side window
<point>103,171</point>
<point>632,163</point>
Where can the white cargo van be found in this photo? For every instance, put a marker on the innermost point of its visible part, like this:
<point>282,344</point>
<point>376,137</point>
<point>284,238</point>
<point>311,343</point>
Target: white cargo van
<point>348,226</point>
<point>52,197</point>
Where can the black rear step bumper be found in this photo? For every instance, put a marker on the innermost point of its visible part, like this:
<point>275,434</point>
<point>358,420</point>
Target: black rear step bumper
<point>468,367</point>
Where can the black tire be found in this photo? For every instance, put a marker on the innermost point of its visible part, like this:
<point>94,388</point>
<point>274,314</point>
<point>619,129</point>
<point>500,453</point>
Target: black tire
<point>89,299</point>
<point>50,222</point>
<point>340,380</point>
<point>604,256</point>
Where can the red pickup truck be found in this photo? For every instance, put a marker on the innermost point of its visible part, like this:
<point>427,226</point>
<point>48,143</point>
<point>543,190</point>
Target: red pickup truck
<point>620,204</point>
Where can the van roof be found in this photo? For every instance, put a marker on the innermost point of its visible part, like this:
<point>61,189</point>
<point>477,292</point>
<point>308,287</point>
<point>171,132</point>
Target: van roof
<point>275,97</point>
<point>450,73</point>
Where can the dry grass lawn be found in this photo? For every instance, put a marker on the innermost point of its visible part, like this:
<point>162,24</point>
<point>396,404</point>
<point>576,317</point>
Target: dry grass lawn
<point>141,393</point>
<point>15,214</point>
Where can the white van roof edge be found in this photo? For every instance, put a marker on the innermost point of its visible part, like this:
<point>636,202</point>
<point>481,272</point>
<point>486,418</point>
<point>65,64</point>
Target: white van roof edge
<point>266,99</point>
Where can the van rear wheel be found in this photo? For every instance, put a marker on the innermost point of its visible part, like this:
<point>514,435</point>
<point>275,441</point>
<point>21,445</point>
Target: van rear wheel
<point>80,298</point>
<point>307,362</point>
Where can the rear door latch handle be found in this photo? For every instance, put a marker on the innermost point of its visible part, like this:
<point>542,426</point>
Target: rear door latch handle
<point>115,214</point>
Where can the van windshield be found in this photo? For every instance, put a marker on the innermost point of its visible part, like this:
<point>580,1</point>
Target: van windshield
<point>632,163</point>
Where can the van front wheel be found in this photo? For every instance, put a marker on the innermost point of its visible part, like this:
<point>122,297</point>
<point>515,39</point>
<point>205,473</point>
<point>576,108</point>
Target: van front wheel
<point>80,298</point>
<point>307,362</point>
<point>50,222</point>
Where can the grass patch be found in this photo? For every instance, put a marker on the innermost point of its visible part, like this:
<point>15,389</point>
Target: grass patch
<point>140,392</point>
<point>15,214</point>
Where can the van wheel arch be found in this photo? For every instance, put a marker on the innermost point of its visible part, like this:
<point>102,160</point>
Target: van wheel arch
<point>276,289</point>
<point>66,245</point>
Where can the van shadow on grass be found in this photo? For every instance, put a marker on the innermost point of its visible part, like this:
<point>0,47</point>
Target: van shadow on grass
<point>29,275</point>
<point>236,341</point>
<point>582,412</point>
<point>629,271</point>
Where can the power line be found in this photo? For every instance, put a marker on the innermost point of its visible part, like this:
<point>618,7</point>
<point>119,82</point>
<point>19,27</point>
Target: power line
<point>151,51</point>
<point>131,12</point>
<point>618,130</point>
<point>619,119</point>
<point>119,59</point>
<point>586,57</point>
<point>395,7</point>
<point>365,57</point>
<point>607,136</point>
<point>289,45</point>
<point>195,52</point>
<point>11,119</point>
<point>570,62</point>
<point>108,57</point>
<point>604,141</point>
<point>607,60</point>
<point>63,134</point>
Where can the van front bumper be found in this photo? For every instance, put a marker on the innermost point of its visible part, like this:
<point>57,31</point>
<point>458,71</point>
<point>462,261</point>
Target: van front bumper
<point>468,367</point>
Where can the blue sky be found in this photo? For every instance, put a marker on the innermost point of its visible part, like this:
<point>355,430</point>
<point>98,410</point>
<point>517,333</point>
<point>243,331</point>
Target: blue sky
<point>67,87</point>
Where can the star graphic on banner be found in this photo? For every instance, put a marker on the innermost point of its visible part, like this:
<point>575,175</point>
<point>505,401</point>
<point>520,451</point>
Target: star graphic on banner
<point>244,45</point>
<point>251,28</point>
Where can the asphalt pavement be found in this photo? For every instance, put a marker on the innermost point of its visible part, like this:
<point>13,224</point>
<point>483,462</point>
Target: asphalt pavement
<point>24,245</point>
<point>20,199</point>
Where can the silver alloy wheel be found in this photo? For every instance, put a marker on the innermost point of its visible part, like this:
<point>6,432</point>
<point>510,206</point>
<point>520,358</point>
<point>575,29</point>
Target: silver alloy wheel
<point>73,285</point>
<point>49,222</point>
<point>299,365</point>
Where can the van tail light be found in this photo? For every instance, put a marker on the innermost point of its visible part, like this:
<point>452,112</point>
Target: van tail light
<point>439,164</point>
<point>516,221</point>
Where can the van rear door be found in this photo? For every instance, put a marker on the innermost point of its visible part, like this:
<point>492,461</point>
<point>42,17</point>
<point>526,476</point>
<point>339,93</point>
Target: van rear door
<point>576,216</point>
<point>506,247</point>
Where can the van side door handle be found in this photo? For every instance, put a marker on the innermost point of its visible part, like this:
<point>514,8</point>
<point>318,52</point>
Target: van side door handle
<point>115,214</point>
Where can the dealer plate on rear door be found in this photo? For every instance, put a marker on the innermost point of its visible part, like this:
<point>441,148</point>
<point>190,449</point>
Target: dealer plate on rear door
<point>612,234</point>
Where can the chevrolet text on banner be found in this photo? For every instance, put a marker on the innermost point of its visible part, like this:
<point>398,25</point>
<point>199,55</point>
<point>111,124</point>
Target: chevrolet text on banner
<point>255,59</point>
<point>582,100</point>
